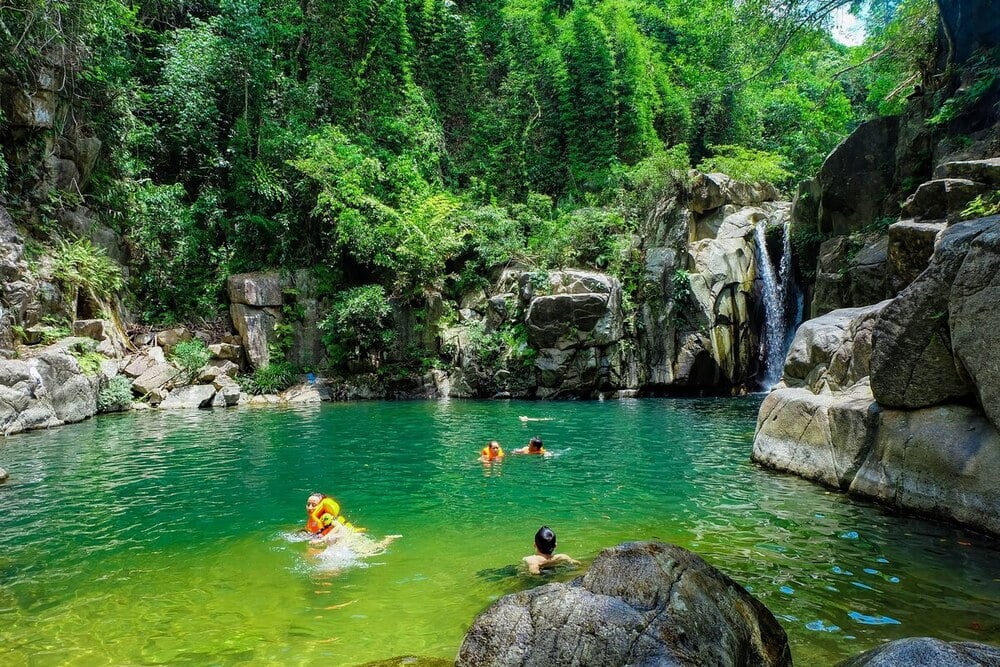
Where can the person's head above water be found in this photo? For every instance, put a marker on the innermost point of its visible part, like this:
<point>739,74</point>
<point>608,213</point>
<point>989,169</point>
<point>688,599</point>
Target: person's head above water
<point>535,444</point>
<point>545,541</point>
<point>313,500</point>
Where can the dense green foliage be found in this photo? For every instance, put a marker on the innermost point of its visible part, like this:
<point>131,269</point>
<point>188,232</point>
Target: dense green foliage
<point>413,144</point>
<point>116,396</point>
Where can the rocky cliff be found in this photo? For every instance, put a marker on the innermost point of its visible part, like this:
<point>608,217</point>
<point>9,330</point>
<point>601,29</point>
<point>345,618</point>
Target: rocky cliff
<point>891,391</point>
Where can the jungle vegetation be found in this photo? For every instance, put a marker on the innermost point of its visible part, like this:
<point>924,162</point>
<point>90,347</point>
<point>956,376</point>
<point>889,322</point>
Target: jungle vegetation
<point>400,146</point>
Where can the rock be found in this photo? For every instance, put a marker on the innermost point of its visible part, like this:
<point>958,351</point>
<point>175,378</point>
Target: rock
<point>926,652</point>
<point>63,174</point>
<point>980,171</point>
<point>970,25</point>
<point>169,339</point>
<point>974,319</point>
<point>256,327</point>
<point>303,393</point>
<point>856,179</point>
<point>500,309</point>
<point>707,226</point>
<point>255,289</point>
<point>912,364</point>
<point>830,291</point>
<point>641,603</point>
<point>137,364</point>
<point>145,339</point>
<point>104,331</point>
<point>911,245</point>
<point>833,351</point>
<point>156,396</point>
<point>156,354</point>
<point>225,351</point>
<point>47,390</point>
<point>816,436</point>
<point>942,461</point>
<point>86,152</point>
<point>35,109</point>
<point>867,274</point>
<point>941,199</point>
<point>192,396</point>
<point>805,206</point>
<point>224,367</point>
<point>156,377</point>
<point>4,475</point>
<point>710,191</point>
<point>585,310</point>
<point>565,320</point>
<point>227,392</point>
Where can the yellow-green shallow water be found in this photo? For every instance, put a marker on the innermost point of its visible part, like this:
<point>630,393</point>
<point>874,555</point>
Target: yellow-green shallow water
<point>165,538</point>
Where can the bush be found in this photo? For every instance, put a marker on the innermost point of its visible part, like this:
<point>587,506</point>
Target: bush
<point>270,378</point>
<point>190,356</point>
<point>116,397</point>
<point>358,324</point>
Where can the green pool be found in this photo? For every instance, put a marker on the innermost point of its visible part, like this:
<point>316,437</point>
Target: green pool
<point>164,538</point>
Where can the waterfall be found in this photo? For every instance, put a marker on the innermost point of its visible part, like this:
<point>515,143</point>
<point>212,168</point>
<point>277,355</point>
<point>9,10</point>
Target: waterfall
<point>775,291</point>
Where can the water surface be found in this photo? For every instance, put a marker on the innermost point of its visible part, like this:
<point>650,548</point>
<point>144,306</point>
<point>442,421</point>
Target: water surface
<point>163,538</point>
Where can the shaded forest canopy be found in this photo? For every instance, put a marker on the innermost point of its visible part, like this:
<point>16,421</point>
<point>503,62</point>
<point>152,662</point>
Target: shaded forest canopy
<point>415,144</point>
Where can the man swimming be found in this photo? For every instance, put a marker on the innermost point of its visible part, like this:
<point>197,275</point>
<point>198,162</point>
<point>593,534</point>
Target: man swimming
<point>545,545</point>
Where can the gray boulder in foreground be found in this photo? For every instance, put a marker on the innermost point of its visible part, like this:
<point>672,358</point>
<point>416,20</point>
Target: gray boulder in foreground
<point>641,603</point>
<point>927,652</point>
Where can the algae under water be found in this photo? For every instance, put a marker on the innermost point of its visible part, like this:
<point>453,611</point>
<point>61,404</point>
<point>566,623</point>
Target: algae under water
<point>165,537</point>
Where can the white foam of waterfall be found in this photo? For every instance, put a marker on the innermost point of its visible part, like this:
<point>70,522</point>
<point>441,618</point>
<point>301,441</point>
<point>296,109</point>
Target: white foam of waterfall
<point>773,292</point>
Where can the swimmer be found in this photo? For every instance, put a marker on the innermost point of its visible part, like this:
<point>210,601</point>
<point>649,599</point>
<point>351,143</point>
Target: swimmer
<point>534,447</point>
<point>536,419</point>
<point>329,526</point>
<point>323,516</point>
<point>491,452</point>
<point>545,544</point>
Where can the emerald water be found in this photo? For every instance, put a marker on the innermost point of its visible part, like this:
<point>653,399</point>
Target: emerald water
<point>165,537</point>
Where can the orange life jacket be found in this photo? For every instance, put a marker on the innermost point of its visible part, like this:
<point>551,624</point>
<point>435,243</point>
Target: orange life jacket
<point>323,517</point>
<point>489,455</point>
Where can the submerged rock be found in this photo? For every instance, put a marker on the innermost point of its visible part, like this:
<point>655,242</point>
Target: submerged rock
<point>641,603</point>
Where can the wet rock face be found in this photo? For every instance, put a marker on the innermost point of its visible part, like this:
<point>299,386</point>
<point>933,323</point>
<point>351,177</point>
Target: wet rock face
<point>641,603</point>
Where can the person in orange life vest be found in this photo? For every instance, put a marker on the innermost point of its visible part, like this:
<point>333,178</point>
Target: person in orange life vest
<point>323,516</point>
<point>491,452</point>
<point>534,447</point>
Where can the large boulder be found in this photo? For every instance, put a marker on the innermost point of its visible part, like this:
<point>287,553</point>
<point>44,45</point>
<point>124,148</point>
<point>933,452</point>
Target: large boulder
<point>912,361</point>
<point>821,437</point>
<point>710,191</point>
<point>911,246</point>
<point>255,289</point>
<point>191,396</point>
<point>256,328</point>
<point>974,319</point>
<point>857,177</point>
<point>942,199</point>
<point>641,603</point>
<point>832,352</point>
<point>943,461</point>
<point>48,390</point>
<point>927,652</point>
